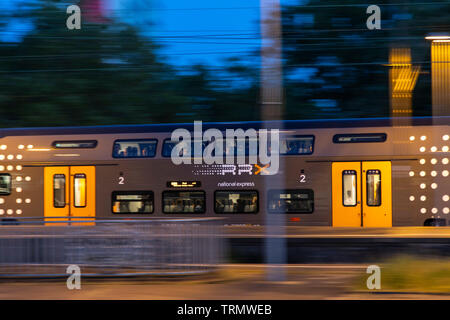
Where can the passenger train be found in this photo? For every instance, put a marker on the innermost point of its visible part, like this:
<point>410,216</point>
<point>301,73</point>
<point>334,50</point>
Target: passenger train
<point>339,173</point>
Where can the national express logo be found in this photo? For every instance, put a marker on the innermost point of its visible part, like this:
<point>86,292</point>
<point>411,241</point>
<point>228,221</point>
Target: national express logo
<point>238,152</point>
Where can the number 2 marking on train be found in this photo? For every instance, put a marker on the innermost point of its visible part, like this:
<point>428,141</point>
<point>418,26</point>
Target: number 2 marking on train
<point>302,178</point>
<point>121,180</point>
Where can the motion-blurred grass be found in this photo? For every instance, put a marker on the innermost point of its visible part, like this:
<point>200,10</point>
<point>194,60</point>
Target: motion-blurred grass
<point>413,274</point>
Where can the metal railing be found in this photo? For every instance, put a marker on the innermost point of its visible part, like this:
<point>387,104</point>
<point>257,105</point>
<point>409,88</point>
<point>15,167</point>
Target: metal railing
<point>110,247</point>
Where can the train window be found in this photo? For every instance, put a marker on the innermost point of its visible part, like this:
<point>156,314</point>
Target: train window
<point>79,190</point>
<point>359,137</point>
<point>59,190</point>
<point>295,145</point>
<point>132,202</point>
<point>349,186</point>
<point>373,187</point>
<point>291,201</point>
<point>168,145</point>
<point>242,147</point>
<point>141,148</point>
<point>236,201</point>
<point>74,144</point>
<point>184,202</point>
<point>5,183</point>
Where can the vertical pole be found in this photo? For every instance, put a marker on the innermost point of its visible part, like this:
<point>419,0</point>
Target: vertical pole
<point>440,77</point>
<point>272,109</point>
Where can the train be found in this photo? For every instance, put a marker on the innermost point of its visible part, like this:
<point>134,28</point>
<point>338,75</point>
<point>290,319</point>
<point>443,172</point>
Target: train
<point>361,173</point>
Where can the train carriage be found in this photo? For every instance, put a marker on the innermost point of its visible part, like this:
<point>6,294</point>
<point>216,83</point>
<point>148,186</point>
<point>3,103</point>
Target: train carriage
<point>340,173</point>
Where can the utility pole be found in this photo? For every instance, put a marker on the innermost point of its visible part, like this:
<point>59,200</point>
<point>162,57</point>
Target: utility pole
<point>272,110</point>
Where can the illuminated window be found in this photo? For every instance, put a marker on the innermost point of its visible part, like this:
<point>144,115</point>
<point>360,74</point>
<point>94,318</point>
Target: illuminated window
<point>183,148</point>
<point>5,183</point>
<point>59,190</point>
<point>84,144</point>
<point>132,202</point>
<point>236,201</point>
<point>79,190</point>
<point>291,201</point>
<point>359,138</point>
<point>373,188</point>
<point>349,188</point>
<point>184,202</point>
<point>295,145</point>
<point>141,148</point>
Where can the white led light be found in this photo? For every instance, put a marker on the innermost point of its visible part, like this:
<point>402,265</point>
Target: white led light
<point>3,147</point>
<point>446,210</point>
<point>445,173</point>
<point>434,185</point>
<point>434,210</point>
<point>433,161</point>
<point>411,198</point>
<point>21,146</point>
<point>422,149</point>
<point>412,138</point>
<point>9,168</point>
<point>10,157</point>
<point>27,200</point>
<point>423,138</point>
<point>433,149</point>
<point>423,210</point>
<point>2,200</point>
<point>445,161</point>
<point>2,168</point>
<point>2,157</point>
<point>433,173</point>
<point>9,211</point>
<point>2,212</point>
<point>27,178</point>
<point>19,157</point>
<point>445,149</point>
<point>411,173</point>
<point>18,200</point>
<point>19,167</point>
<point>18,211</point>
<point>422,161</point>
<point>18,189</point>
<point>423,186</point>
<point>423,198</point>
<point>445,137</point>
<point>422,173</point>
<point>30,146</point>
<point>18,178</point>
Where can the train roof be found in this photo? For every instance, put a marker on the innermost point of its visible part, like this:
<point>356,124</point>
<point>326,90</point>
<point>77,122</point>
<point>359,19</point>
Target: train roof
<point>284,124</point>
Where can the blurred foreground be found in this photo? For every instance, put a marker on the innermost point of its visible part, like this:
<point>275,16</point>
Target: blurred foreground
<point>248,282</point>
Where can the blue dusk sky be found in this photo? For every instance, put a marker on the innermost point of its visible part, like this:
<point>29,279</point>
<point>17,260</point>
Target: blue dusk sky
<point>190,32</point>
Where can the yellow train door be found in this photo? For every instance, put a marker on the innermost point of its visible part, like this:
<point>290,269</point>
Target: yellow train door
<point>346,195</point>
<point>377,193</point>
<point>362,194</point>
<point>69,192</point>
<point>56,194</point>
